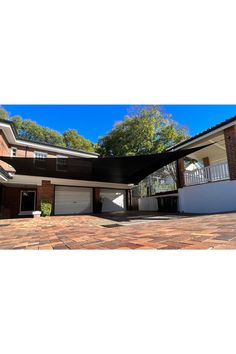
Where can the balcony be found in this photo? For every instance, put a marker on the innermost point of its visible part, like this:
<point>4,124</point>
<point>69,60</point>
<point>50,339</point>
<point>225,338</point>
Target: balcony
<point>213,173</point>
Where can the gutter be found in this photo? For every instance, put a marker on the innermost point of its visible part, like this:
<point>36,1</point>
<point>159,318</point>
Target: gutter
<point>201,136</point>
<point>45,146</point>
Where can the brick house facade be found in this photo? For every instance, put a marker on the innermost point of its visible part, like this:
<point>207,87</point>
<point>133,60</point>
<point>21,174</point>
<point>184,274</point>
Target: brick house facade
<point>207,189</point>
<point>208,183</point>
<point>210,188</point>
<point>20,195</point>
<point>230,142</point>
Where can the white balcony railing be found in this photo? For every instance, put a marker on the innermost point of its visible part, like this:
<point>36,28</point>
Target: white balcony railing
<point>207,174</point>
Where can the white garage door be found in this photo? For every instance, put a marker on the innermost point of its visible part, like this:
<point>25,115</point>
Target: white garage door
<point>113,200</point>
<point>73,200</point>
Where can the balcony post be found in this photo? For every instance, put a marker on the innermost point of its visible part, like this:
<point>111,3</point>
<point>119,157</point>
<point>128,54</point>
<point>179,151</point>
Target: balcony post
<point>206,161</point>
<point>207,172</point>
<point>230,143</point>
<point>180,181</point>
<point>97,205</point>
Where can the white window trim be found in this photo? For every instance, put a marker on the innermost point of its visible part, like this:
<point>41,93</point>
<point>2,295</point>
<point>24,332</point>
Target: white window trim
<point>13,148</point>
<point>42,153</point>
<point>61,157</point>
<point>41,158</point>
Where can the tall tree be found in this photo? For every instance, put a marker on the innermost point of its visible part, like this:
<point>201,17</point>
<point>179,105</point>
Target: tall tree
<point>147,131</point>
<point>30,130</point>
<point>3,113</point>
<point>75,141</point>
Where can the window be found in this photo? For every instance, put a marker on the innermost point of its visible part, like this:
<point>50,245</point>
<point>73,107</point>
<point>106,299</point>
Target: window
<point>62,163</point>
<point>40,159</point>
<point>27,202</point>
<point>13,151</point>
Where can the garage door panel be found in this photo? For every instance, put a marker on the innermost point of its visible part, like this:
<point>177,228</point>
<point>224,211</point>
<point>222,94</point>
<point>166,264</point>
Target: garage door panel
<point>73,200</point>
<point>73,208</point>
<point>113,200</point>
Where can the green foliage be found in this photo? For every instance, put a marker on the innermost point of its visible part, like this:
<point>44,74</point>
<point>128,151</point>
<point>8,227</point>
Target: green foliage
<point>30,130</point>
<point>18,122</point>
<point>147,131</point>
<point>3,113</point>
<point>46,207</point>
<point>75,141</point>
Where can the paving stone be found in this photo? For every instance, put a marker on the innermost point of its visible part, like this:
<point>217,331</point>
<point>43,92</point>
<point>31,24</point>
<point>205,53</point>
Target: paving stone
<point>225,237</point>
<point>86,232</point>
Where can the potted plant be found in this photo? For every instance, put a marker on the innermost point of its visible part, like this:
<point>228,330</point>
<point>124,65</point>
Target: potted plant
<point>46,208</point>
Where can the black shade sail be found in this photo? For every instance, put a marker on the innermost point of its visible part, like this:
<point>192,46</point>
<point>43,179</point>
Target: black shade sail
<point>127,170</point>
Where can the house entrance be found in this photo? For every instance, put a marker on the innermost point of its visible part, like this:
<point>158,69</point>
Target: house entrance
<point>27,202</point>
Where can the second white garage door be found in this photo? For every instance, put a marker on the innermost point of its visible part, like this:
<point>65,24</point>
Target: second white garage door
<point>73,200</point>
<point>113,200</point>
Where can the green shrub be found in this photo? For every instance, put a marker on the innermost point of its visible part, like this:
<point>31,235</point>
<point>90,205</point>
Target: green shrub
<point>46,207</point>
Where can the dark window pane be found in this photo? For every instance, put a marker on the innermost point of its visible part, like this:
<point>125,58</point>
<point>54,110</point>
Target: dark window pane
<point>27,201</point>
<point>40,163</point>
<point>62,164</point>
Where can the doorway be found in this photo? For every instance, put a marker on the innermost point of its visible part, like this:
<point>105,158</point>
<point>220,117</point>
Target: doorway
<point>27,201</point>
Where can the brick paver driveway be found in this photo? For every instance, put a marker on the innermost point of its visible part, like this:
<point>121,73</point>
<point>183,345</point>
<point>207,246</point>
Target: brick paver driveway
<point>137,231</point>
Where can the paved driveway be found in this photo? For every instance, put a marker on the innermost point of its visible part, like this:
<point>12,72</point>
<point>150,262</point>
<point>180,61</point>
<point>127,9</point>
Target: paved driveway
<point>131,231</point>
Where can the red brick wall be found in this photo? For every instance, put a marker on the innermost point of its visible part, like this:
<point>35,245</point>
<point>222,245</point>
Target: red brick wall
<point>11,201</point>
<point>45,192</point>
<point>230,143</point>
<point>29,152</point>
<point>96,199</point>
<point>4,148</point>
<point>180,168</point>
<point>206,161</point>
<point>11,198</point>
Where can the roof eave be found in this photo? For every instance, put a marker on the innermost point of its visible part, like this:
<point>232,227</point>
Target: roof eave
<point>203,135</point>
<point>5,121</point>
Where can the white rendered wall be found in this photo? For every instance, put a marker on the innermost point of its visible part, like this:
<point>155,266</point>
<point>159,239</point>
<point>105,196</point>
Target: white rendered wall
<point>208,198</point>
<point>148,204</point>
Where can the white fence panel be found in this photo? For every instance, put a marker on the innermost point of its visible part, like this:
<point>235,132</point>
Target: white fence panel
<point>213,173</point>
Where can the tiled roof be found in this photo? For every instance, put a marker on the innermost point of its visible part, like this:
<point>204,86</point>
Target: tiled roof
<point>4,173</point>
<point>6,167</point>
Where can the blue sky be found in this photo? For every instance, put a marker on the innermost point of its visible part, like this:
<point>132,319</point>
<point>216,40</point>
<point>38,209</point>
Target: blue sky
<point>93,121</point>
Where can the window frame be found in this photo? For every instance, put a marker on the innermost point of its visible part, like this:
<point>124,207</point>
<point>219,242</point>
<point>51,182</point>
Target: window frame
<point>27,191</point>
<point>57,164</point>
<point>13,148</point>
<point>40,159</point>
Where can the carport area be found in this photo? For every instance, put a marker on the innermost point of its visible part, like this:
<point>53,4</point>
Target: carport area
<point>120,231</point>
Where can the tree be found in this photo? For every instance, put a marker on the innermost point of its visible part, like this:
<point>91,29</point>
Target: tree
<point>30,130</point>
<point>3,113</point>
<point>147,131</point>
<point>75,141</point>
